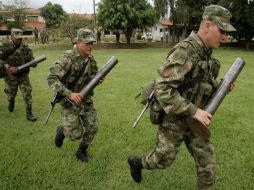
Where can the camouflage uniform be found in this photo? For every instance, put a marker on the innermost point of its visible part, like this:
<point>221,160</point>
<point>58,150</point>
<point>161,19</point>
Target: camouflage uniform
<point>185,82</point>
<point>188,60</point>
<point>70,74</point>
<point>36,35</point>
<point>15,56</point>
<point>2,69</point>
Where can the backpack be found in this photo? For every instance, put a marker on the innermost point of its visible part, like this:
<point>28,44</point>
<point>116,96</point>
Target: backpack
<point>147,96</point>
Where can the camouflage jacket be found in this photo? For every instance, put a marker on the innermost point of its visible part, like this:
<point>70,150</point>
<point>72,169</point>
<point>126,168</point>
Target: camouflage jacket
<point>70,73</point>
<point>188,78</point>
<point>15,55</point>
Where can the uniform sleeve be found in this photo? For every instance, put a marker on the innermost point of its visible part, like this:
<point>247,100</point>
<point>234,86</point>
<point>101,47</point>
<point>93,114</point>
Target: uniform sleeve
<point>2,53</point>
<point>29,55</point>
<point>94,67</point>
<point>171,76</point>
<point>56,72</point>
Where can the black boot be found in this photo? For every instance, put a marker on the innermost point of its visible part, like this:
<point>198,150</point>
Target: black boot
<point>135,167</point>
<point>29,114</point>
<point>81,154</point>
<point>11,105</point>
<point>59,138</point>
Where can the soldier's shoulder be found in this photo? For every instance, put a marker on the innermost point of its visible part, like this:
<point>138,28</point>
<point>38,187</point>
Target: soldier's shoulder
<point>6,43</point>
<point>190,47</point>
<point>69,54</point>
<point>65,58</point>
<point>92,58</point>
<point>178,56</point>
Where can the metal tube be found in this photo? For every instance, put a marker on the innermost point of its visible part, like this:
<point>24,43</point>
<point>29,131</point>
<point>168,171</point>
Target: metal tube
<point>216,99</point>
<point>100,75</point>
<point>224,86</point>
<point>30,63</point>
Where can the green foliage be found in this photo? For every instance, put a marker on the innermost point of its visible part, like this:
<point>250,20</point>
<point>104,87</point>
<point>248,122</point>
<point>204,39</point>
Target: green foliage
<point>29,159</point>
<point>15,16</point>
<point>125,15</point>
<point>53,14</point>
<point>189,12</point>
<point>71,25</point>
<point>161,7</point>
<point>243,19</point>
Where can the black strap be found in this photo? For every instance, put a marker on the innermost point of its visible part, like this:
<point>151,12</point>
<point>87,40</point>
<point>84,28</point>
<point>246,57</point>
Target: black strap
<point>190,83</point>
<point>73,84</point>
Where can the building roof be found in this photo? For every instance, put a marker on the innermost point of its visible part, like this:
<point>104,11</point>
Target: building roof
<point>166,22</point>
<point>33,11</point>
<point>83,16</point>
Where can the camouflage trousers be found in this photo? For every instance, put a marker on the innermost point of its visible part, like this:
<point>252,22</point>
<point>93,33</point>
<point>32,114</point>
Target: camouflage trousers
<point>80,122</point>
<point>11,87</point>
<point>171,134</point>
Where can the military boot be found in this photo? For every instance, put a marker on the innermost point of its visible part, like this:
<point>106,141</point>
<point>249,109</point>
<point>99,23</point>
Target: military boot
<point>11,105</point>
<point>81,154</point>
<point>29,114</point>
<point>59,138</point>
<point>135,167</point>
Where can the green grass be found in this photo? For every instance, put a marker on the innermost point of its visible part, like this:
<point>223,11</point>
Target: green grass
<point>29,159</point>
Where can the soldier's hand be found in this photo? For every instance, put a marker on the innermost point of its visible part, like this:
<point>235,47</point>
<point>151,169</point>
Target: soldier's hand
<point>101,81</point>
<point>34,65</point>
<point>12,70</point>
<point>203,116</point>
<point>76,98</point>
<point>232,86</point>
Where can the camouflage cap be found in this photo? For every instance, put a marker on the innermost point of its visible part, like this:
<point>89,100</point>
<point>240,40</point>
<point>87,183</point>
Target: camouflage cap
<point>85,35</point>
<point>220,16</point>
<point>17,33</point>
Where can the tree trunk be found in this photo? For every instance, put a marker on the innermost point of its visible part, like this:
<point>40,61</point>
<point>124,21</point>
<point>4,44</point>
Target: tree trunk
<point>128,35</point>
<point>173,34</point>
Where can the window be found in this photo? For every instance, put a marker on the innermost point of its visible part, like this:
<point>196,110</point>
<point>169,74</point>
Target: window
<point>27,33</point>
<point>32,18</point>
<point>5,33</point>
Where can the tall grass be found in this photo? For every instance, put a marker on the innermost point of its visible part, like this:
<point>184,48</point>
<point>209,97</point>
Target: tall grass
<point>29,159</point>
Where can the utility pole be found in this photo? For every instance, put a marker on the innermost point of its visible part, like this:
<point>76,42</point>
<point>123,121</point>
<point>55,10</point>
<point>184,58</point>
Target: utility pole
<point>94,16</point>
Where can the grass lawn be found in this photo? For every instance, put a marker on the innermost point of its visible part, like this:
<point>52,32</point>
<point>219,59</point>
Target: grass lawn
<point>30,160</point>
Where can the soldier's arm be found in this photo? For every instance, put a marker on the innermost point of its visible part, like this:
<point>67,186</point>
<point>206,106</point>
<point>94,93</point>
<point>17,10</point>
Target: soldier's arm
<point>29,55</point>
<point>56,72</point>
<point>171,76</point>
<point>94,68</point>
<point>4,66</point>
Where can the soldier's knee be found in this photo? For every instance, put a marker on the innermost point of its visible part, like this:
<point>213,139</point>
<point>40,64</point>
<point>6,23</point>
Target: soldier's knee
<point>73,132</point>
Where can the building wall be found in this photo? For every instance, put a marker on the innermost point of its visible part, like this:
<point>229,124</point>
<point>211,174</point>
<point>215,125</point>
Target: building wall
<point>34,19</point>
<point>156,31</point>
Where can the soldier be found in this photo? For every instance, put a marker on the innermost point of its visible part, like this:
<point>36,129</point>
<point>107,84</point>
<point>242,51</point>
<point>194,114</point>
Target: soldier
<point>46,36</point>
<point>68,76</point>
<point>36,36</point>
<point>98,36</point>
<point>185,83</point>
<point>42,35</point>
<point>12,54</point>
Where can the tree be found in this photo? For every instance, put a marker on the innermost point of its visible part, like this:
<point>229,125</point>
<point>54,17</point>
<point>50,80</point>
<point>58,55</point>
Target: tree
<point>16,14</point>
<point>161,7</point>
<point>125,15</point>
<point>53,15</point>
<point>242,20</point>
<point>72,24</point>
